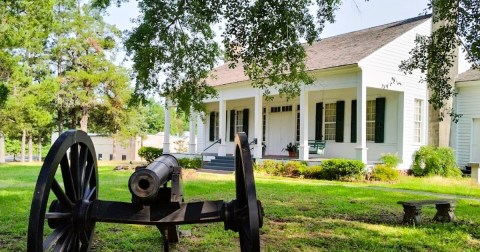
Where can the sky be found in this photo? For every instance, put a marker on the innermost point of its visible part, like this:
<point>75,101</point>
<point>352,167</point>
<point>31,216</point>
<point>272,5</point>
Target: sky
<point>353,15</point>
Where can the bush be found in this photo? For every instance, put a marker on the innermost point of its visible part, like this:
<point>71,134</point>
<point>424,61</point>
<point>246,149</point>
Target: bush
<point>150,153</point>
<point>342,169</point>
<point>390,159</point>
<point>269,167</point>
<point>190,163</point>
<point>384,172</point>
<point>292,169</point>
<point>431,161</point>
<point>312,172</point>
<point>289,169</point>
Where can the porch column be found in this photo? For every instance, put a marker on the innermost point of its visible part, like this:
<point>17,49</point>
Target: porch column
<point>192,146</point>
<point>303,148</point>
<point>222,149</point>
<point>257,153</point>
<point>200,132</point>
<point>2,148</point>
<point>166,133</point>
<point>361,149</point>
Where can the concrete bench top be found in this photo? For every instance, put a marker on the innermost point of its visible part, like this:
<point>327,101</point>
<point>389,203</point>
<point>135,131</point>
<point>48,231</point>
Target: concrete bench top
<point>425,202</point>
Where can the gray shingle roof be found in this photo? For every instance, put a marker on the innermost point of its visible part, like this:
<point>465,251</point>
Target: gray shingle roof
<point>340,50</point>
<point>470,75</point>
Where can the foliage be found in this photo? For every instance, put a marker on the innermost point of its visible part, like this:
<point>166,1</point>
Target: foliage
<point>390,159</point>
<point>430,161</point>
<point>290,147</point>
<point>190,163</point>
<point>433,55</point>
<point>384,172</point>
<point>150,153</point>
<point>342,169</point>
<point>13,146</point>
<point>175,39</point>
<point>312,172</point>
<point>181,146</point>
<point>270,167</point>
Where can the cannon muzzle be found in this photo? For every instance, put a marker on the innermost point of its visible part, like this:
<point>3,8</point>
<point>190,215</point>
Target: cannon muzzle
<point>144,184</point>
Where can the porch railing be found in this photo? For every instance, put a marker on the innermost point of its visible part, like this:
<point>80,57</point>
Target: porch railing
<point>202,154</point>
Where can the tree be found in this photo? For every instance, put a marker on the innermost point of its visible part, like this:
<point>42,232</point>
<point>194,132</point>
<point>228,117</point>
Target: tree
<point>175,40</point>
<point>434,55</point>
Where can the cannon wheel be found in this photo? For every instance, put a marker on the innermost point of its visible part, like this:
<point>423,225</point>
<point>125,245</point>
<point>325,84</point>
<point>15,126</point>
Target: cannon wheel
<point>250,207</point>
<point>70,193</point>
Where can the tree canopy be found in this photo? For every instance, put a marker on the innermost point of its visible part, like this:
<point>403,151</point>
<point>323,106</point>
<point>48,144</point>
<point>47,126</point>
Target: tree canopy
<point>174,51</point>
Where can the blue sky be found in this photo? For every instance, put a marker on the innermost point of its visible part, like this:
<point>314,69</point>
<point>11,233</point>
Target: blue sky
<point>353,15</point>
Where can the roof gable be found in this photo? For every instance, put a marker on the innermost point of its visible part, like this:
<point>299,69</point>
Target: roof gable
<point>336,51</point>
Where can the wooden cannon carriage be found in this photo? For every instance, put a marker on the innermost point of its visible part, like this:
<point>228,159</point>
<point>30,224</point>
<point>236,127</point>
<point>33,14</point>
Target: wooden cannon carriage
<point>65,205</point>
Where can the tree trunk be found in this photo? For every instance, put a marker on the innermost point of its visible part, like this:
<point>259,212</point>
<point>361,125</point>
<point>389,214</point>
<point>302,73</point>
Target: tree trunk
<point>39,149</point>
<point>2,148</point>
<point>60,121</point>
<point>114,151</point>
<point>73,124</point>
<point>30,148</point>
<point>84,120</point>
<point>22,153</point>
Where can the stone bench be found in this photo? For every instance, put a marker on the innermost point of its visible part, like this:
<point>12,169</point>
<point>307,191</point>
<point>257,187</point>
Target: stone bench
<point>413,210</point>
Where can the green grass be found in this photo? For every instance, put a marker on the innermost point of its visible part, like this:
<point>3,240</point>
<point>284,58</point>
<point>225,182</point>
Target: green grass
<point>301,215</point>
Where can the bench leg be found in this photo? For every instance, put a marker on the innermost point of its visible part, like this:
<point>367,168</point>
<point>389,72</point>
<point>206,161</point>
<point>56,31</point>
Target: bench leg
<point>412,214</point>
<point>445,213</point>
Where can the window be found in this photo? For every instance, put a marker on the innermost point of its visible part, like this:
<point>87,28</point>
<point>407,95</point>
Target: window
<point>330,120</point>
<point>418,121</point>
<point>239,121</point>
<point>217,126</point>
<point>371,108</point>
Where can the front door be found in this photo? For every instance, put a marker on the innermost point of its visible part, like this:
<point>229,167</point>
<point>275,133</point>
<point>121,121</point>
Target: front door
<point>280,132</point>
<point>475,151</point>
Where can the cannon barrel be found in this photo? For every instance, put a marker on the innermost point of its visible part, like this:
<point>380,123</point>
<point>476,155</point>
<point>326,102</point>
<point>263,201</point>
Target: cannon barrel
<point>144,184</point>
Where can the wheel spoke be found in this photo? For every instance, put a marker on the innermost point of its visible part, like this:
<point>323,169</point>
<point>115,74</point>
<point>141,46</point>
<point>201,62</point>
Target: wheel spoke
<point>82,162</point>
<point>90,193</point>
<point>57,215</point>
<point>68,179</point>
<point>61,196</point>
<point>84,237</point>
<point>88,181</point>
<point>54,236</point>
<point>75,169</point>
<point>62,243</point>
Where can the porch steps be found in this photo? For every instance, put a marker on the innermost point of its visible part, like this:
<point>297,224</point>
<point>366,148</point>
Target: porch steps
<point>222,163</point>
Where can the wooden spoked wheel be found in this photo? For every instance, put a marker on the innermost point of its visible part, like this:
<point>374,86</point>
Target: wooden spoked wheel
<point>249,213</point>
<point>61,204</point>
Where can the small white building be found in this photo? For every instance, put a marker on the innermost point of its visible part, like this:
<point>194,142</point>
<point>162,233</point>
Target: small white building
<point>466,133</point>
<point>351,105</point>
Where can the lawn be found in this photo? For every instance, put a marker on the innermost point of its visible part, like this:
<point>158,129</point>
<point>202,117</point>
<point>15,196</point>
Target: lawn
<point>301,215</point>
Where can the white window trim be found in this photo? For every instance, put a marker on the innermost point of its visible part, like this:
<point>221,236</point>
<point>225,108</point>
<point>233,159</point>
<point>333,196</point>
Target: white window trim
<point>329,123</point>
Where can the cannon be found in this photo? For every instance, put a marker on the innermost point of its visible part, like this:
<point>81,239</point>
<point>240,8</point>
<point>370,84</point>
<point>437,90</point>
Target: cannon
<point>65,204</point>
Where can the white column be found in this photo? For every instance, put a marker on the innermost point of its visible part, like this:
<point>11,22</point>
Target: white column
<point>192,146</point>
<point>361,149</point>
<point>166,135</point>
<point>258,125</point>
<point>303,148</point>
<point>222,148</point>
<point>200,132</point>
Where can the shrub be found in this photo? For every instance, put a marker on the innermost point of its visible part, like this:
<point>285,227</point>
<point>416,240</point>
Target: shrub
<point>270,167</point>
<point>312,172</point>
<point>191,163</point>
<point>390,159</point>
<point>150,153</point>
<point>342,169</point>
<point>292,169</point>
<point>430,161</point>
<point>384,172</point>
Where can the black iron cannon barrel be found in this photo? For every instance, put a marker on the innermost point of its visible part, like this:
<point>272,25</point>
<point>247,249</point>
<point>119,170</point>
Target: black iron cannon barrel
<point>144,184</point>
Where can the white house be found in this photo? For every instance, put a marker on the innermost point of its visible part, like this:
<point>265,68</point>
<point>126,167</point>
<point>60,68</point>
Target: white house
<point>466,133</point>
<point>350,105</point>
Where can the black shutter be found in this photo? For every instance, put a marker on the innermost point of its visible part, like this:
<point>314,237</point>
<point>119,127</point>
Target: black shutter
<point>232,125</point>
<point>211,137</point>
<point>340,114</point>
<point>318,121</point>
<point>353,123</point>
<point>245,121</point>
<point>379,120</point>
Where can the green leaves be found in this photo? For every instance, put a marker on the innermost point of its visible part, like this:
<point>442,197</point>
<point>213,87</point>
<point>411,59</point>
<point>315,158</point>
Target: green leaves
<point>174,51</point>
